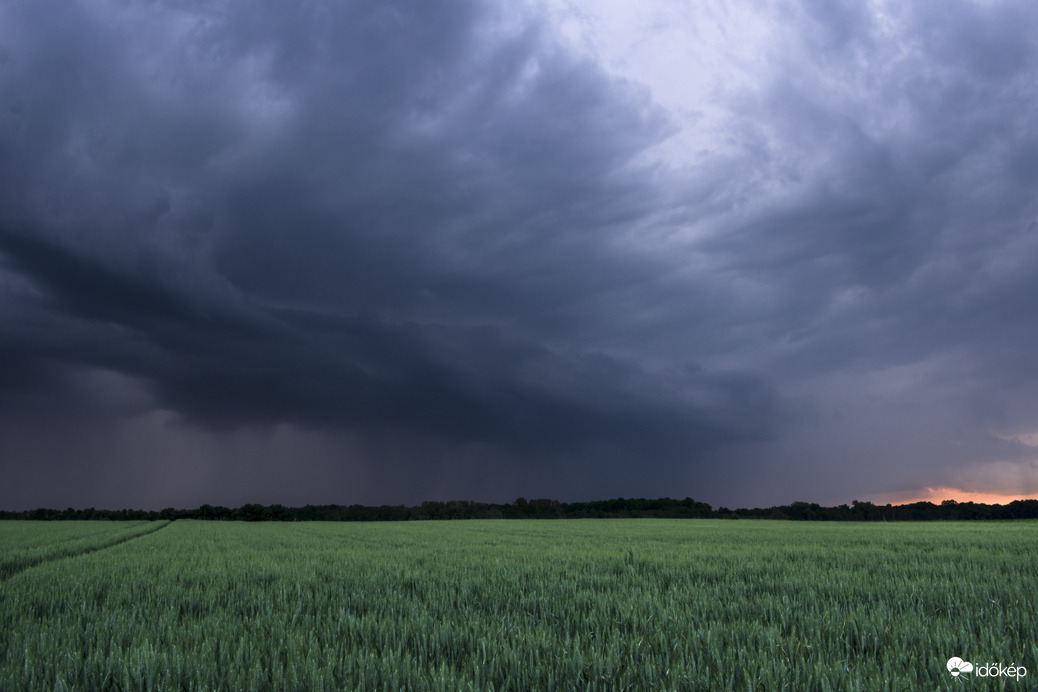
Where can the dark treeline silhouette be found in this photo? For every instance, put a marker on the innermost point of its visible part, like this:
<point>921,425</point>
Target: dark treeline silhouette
<point>553,509</point>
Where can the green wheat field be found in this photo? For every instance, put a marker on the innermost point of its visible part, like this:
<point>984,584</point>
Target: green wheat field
<point>625,604</point>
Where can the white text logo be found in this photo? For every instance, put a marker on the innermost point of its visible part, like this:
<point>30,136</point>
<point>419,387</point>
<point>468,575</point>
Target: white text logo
<point>956,666</point>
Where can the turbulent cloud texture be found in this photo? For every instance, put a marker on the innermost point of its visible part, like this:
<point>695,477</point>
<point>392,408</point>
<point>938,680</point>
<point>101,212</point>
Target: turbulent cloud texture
<point>391,251</point>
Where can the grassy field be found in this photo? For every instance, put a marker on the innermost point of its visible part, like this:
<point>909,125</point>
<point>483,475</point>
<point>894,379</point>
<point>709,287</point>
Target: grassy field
<point>634,604</point>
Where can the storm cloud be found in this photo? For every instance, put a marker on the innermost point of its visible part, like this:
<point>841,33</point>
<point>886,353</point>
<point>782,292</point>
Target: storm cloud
<point>393,251</point>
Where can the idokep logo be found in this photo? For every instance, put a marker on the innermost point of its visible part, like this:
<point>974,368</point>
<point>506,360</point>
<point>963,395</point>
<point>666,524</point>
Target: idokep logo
<point>956,666</point>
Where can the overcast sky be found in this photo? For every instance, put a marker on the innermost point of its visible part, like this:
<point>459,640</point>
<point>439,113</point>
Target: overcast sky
<point>389,251</point>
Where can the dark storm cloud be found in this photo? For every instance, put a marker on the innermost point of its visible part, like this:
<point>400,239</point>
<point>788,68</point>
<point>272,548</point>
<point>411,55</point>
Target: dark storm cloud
<point>434,226</point>
<point>374,217</point>
<point>467,383</point>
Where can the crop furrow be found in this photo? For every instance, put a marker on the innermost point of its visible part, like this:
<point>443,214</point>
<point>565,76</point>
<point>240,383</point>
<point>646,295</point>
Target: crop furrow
<point>15,564</point>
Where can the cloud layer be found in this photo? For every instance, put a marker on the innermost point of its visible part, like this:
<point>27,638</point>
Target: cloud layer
<point>385,252</point>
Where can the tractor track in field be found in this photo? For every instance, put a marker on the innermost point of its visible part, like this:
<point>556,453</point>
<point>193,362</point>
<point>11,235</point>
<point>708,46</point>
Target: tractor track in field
<point>8,570</point>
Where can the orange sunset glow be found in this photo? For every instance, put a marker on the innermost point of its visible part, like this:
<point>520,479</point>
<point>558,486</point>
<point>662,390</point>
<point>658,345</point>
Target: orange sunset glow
<point>939,495</point>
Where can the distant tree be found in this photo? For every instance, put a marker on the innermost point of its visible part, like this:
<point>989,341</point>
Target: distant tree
<point>251,512</point>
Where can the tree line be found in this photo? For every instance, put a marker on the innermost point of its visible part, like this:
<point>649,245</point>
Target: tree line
<point>522,508</point>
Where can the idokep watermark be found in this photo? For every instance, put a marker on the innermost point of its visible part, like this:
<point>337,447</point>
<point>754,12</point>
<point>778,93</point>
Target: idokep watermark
<point>956,666</point>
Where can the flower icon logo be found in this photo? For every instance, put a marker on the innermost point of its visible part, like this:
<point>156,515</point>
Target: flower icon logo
<point>956,665</point>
